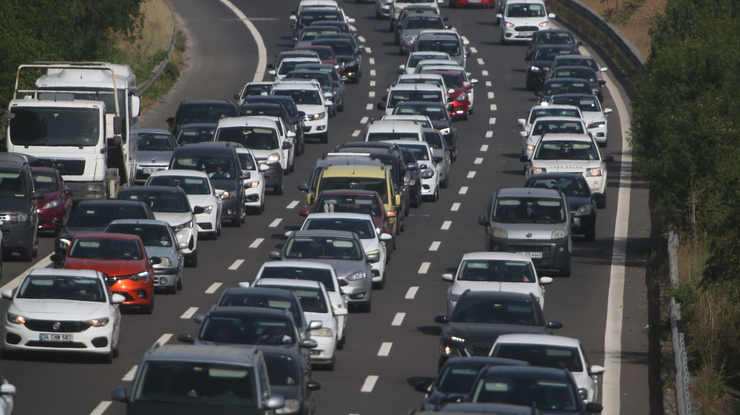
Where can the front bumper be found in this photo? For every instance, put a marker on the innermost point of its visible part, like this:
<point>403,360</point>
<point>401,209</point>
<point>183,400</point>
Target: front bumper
<point>230,208</point>
<point>207,222</point>
<point>16,235</point>
<point>358,292</point>
<point>511,34</point>
<point>428,186</point>
<point>96,340</point>
<point>324,352</point>
<point>253,195</point>
<point>274,175</point>
<point>545,254</point>
<point>47,216</point>
<point>461,108</point>
<point>188,236</point>
<point>316,127</point>
<point>407,45</point>
<point>165,277</point>
<point>588,223</point>
<point>137,293</point>
<point>599,134</point>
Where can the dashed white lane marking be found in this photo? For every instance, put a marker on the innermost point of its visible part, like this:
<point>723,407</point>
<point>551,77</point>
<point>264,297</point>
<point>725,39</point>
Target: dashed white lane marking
<point>424,267</point>
<point>492,120</point>
<point>463,190</point>
<point>488,83</point>
<point>411,293</point>
<point>292,205</point>
<point>490,95</point>
<point>489,134</point>
<point>478,160</point>
<point>484,73</point>
<point>128,377</point>
<point>471,174</point>
<point>164,338</point>
<point>368,50</point>
<point>361,39</point>
<point>372,72</point>
<point>435,245</point>
<point>369,106</point>
<point>385,349</point>
<point>102,406</point>
<point>356,133</point>
<point>446,225</point>
<point>473,50</point>
<point>189,313</point>
<point>236,265</point>
<point>455,207</point>
<point>214,287</point>
<point>364,120</point>
<point>484,147</point>
<point>480,61</point>
<point>372,83</point>
<point>371,60</point>
<point>256,242</point>
<point>369,383</point>
<point>371,94</point>
<point>275,223</point>
<point>398,319</point>
<point>494,107</point>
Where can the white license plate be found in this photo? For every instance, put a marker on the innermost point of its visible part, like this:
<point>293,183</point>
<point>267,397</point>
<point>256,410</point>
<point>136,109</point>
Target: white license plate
<point>526,34</point>
<point>474,1</point>
<point>531,254</point>
<point>55,337</point>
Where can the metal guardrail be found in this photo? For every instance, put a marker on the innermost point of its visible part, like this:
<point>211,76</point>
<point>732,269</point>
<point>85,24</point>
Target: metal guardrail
<point>628,49</point>
<point>157,71</point>
<point>683,397</point>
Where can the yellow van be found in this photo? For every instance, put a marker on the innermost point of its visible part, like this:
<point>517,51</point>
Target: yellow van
<point>360,177</point>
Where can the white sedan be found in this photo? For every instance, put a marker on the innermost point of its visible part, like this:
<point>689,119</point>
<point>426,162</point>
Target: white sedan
<point>63,311</point>
<point>495,271</point>
<point>254,187</point>
<point>316,307</point>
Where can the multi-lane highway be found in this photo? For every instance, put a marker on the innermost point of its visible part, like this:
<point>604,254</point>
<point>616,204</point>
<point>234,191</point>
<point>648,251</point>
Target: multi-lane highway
<point>395,345</point>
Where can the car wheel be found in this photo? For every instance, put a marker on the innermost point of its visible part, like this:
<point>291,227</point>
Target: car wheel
<point>400,51</point>
<point>380,284</point>
<point>324,138</point>
<point>218,228</point>
<point>601,203</point>
<point>107,358</point>
<point>27,254</point>
<point>435,196</point>
<point>286,171</point>
<point>388,250</point>
<point>237,221</point>
<point>116,350</point>
<point>528,85</point>
<point>171,289</point>
<point>565,272</point>
<point>147,309</point>
<point>591,235</point>
<point>340,108</point>
<point>192,259</point>
<point>503,39</point>
<point>365,308</point>
<point>340,344</point>
<point>331,365</point>
<point>278,190</point>
<point>179,283</point>
<point>446,181</point>
<point>452,4</point>
<point>292,166</point>
<point>488,244</point>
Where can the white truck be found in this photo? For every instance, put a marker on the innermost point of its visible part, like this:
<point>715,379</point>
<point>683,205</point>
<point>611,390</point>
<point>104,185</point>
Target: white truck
<point>82,119</point>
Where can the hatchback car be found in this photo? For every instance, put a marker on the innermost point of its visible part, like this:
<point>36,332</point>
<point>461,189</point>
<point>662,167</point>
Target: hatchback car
<point>295,117</point>
<point>563,86</point>
<point>252,89</point>
<point>581,72</point>
<point>437,112</point>
<point>196,133</point>
<point>580,200</point>
<point>328,159</point>
<point>56,205</point>
<point>290,376</point>
<point>415,57</point>
<point>414,24</point>
<point>539,62</point>
<point>550,110</point>
<point>552,37</point>
<point>348,53</point>
<point>155,152</point>
<point>521,19</point>
<point>254,187</point>
<point>441,152</point>
<point>336,89</point>
<point>591,111</point>
<point>308,34</point>
<point>190,112</point>
<point>67,311</point>
<point>310,100</point>
<point>246,296</point>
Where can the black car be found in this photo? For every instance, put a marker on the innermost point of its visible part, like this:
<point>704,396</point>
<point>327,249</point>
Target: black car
<point>581,72</point>
<point>309,15</point>
<point>343,27</point>
<point>414,180</point>
<point>479,317</point>
<point>440,116</point>
<point>95,215</point>
<point>580,199</point>
<point>347,51</point>
<point>552,37</point>
<point>295,117</point>
<point>554,390</point>
<point>196,133</point>
<point>290,376</point>
<point>540,60</point>
<point>563,86</point>
<point>456,378</point>
<point>190,112</point>
<point>270,110</point>
<point>489,408</point>
<point>18,207</point>
<point>212,158</point>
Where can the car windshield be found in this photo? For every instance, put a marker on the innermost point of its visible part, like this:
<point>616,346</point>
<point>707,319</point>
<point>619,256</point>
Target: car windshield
<point>325,53</point>
<point>250,137</point>
<point>434,140</point>
<point>525,10</point>
<point>363,228</point>
<point>589,62</point>
<point>323,78</point>
<point>323,276</point>
<point>312,299</point>
<point>191,185</point>
<point>549,394</point>
<point>557,127</point>
<point>247,329</point>
<point>554,38</point>
<point>528,210</point>
<point>355,183</point>
<point>419,21</point>
<point>300,96</point>
<point>385,136</point>
<point>151,235</point>
<point>307,18</point>
<point>156,142</point>
<point>552,112</point>
<point>554,87</point>
<point>570,186</point>
<point>11,185</point>
<point>496,270</point>
<point>55,287</point>
<point>430,81</point>
<point>252,90</point>
<point>198,113</point>
<point>420,152</point>
<point>46,182</point>
<point>190,135</point>
<point>200,383</point>
<point>263,301</point>
<point>415,58</point>
<point>106,248</point>
<point>548,54</point>
<point>351,204</point>
<point>401,96</point>
<point>281,370</point>
<point>268,111</point>
<point>459,377</point>
<point>586,74</point>
<point>85,216</point>
<point>247,161</point>
<point>159,202</point>
<point>565,150</point>
<point>542,355</point>
<point>434,112</point>
<point>494,312</point>
<point>452,80</point>
<point>310,33</point>
<point>323,248</point>
<point>57,127</point>
<point>217,167</point>
<point>451,46</point>
<point>585,104</point>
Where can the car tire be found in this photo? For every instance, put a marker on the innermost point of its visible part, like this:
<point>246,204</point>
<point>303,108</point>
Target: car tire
<point>179,283</point>
<point>452,4</point>
<point>340,108</point>
<point>400,51</point>
<point>147,309</point>
<point>331,365</point>
<point>380,284</point>
<point>488,244</point>
<point>278,190</point>
<point>601,203</point>
<point>378,15</point>
<point>286,171</point>
<point>27,254</point>
<point>591,235</point>
<point>116,350</point>
<point>171,289</point>
<point>365,308</point>
<point>292,166</point>
<point>107,358</point>
<point>565,272</point>
<point>528,85</point>
<point>218,228</point>
<point>324,138</point>
<point>340,343</point>
<point>192,259</point>
<point>446,182</point>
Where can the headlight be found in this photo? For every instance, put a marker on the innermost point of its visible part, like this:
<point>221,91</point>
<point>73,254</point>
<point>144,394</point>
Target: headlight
<point>597,124</point>
<point>319,115</point>
<point>143,275</point>
<point>228,195</point>
<point>335,306</point>
<point>455,338</point>
<point>445,131</point>
<point>375,252</point>
<point>188,224</point>
<point>51,204</point>
<point>534,69</point>
<point>16,319</point>
<point>357,276</point>
<point>530,147</point>
<point>461,97</point>
<point>543,24</point>
<point>291,405</point>
<point>273,158</point>
<point>18,217</point>
<point>336,67</point>
<point>537,170</point>
<point>559,233</point>
<point>252,185</point>
<point>595,91</point>
<point>594,172</point>
<point>63,244</point>
<point>427,174</point>
<point>500,233</point>
<point>322,332</point>
<point>509,24</point>
<point>95,187</point>
<point>98,322</point>
<point>455,297</point>
<point>208,210</point>
<point>166,262</point>
<point>584,210</point>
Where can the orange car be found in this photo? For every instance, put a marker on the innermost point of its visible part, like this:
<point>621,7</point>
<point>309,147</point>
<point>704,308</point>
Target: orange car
<point>122,258</point>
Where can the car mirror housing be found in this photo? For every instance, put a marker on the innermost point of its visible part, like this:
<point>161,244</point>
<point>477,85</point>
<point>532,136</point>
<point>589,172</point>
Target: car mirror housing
<point>315,324</point>
<point>309,344</point>
<point>340,312</point>
<point>274,254</point>
<point>275,402</point>
<point>421,386</point>
<point>447,277</point>
<point>119,394</point>
<point>185,337</point>
<point>441,319</point>
<point>554,324</point>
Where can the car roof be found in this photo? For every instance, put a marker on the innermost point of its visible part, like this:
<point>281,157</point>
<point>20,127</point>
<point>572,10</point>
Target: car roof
<point>538,339</point>
<point>103,235</point>
<point>414,87</point>
<point>270,312</point>
<point>348,192</point>
<point>197,125</point>
<point>243,356</point>
<point>298,84</point>
<point>139,222</point>
<point>566,137</point>
<point>297,264</point>
<point>248,121</point>
<point>209,147</point>
<point>500,295</point>
<point>417,103</point>
<point>209,102</point>
<point>151,189</point>
<point>258,291</point>
<point>529,191</point>
<point>528,371</point>
<point>499,361</point>
<point>556,118</point>
<point>394,126</point>
<point>66,272</point>
<point>557,176</point>
<point>112,202</point>
<point>554,106</point>
<point>153,131</point>
<point>339,215</point>
<point>401,117</point>
<point>324,233</point>
<point>354,170</point>
<point>496,255</point>
<point>180,172</point>
<point>289,283</point>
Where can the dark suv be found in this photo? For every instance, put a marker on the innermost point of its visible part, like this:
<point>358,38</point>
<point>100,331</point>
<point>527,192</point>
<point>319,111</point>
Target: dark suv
<point>192,112</point>
<point>18,207</point>
<point>295,120</point>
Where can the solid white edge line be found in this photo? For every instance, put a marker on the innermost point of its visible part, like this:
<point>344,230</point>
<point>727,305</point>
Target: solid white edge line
<point>102,406</point>
<point>261,49</point>
<point>189,313</point>
<point>214,287</point>
<point>42,263</point>
<point>369,383</point>
<point>129,376</point>
<point>398,319</point>
<point>411,293</point>
<point>385,349</point>
<point>236,265</point>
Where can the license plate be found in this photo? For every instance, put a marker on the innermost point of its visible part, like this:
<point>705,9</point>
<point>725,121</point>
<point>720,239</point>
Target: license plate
<point>526,34</point>
<point>531,254</point>
<point>55,337</point>
<point>474,1</point>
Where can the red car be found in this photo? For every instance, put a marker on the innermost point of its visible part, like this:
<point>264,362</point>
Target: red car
<point>480,3</point>
<point>56,205</point>
<point>356,201</point>
<point>122,258</point>
<point>326,54</point>
<point>458,93</point>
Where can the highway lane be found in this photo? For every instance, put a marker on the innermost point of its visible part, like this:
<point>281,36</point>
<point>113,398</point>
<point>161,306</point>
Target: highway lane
<point>579,301</point>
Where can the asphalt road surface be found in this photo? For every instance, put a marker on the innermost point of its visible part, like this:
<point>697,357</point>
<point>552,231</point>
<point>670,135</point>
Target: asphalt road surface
<point>223,55</point>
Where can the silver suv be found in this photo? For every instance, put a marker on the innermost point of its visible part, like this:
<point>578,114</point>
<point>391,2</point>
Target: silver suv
<point>531,221</point>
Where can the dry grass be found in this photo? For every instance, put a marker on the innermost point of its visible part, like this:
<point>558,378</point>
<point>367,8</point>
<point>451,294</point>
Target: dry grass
<point>151,43</point>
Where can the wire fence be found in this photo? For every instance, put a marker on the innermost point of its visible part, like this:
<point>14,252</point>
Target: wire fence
<point>683,398</point>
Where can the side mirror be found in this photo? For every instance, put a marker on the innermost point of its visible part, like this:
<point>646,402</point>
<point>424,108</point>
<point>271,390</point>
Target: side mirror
<point>386,237</point>
<point>594,407</point>
<point>596,370</point>
<point>119,394</point>
<point>438,159</point>
<point>244,284</point>
<point>340,312</point>
<point>482,221</point>
<point>473,81</point>
<point>576,223</point>
<point>7,294</point>
<point>270,66</point>
<point>551,16</point>
<point>602,83</point>
<point>524,158</point>
<point>272,72</point>
<point>447,277</point>
<point>275,402</point>
<point>526,58</point>
<point>7,389</point>
<point>303,212</point>
<point>246,174</point>
<point>155,260</point>
<point>521,121</point>
<point>607,111</point>
<point>303,186</point>
<point>538,94</point>
<point>287,145</point>
<point>182,245</point>
<point>579,43</point>
<point>56,258</point>
<point>309,344</point>
<point>236,96</point>
<point>390,214</point>
<point>523,134</point>
<point>328,95</point>
<point>350,20</point>
<point>313,385</point>
<point>39,194</point>
<point>397,199</point>
<point>421,386</point>
<point>171,120</point>
<point>554,324</point>
<point>381,106</point>
<point>198,210</point>
<point>199,317</point>
<point>117,299</point>
<point>603,69</point>
<point>294,39</point>
<point>185,337</point>
<point>315,324</point>
<point>545,280</point>
<point>372,258</point>
<point>607,159</point>
<point>402,68</point>
<point>263,167</point>
<point>274,254</point>
<point>412,166</point>
<point>442,319</point>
